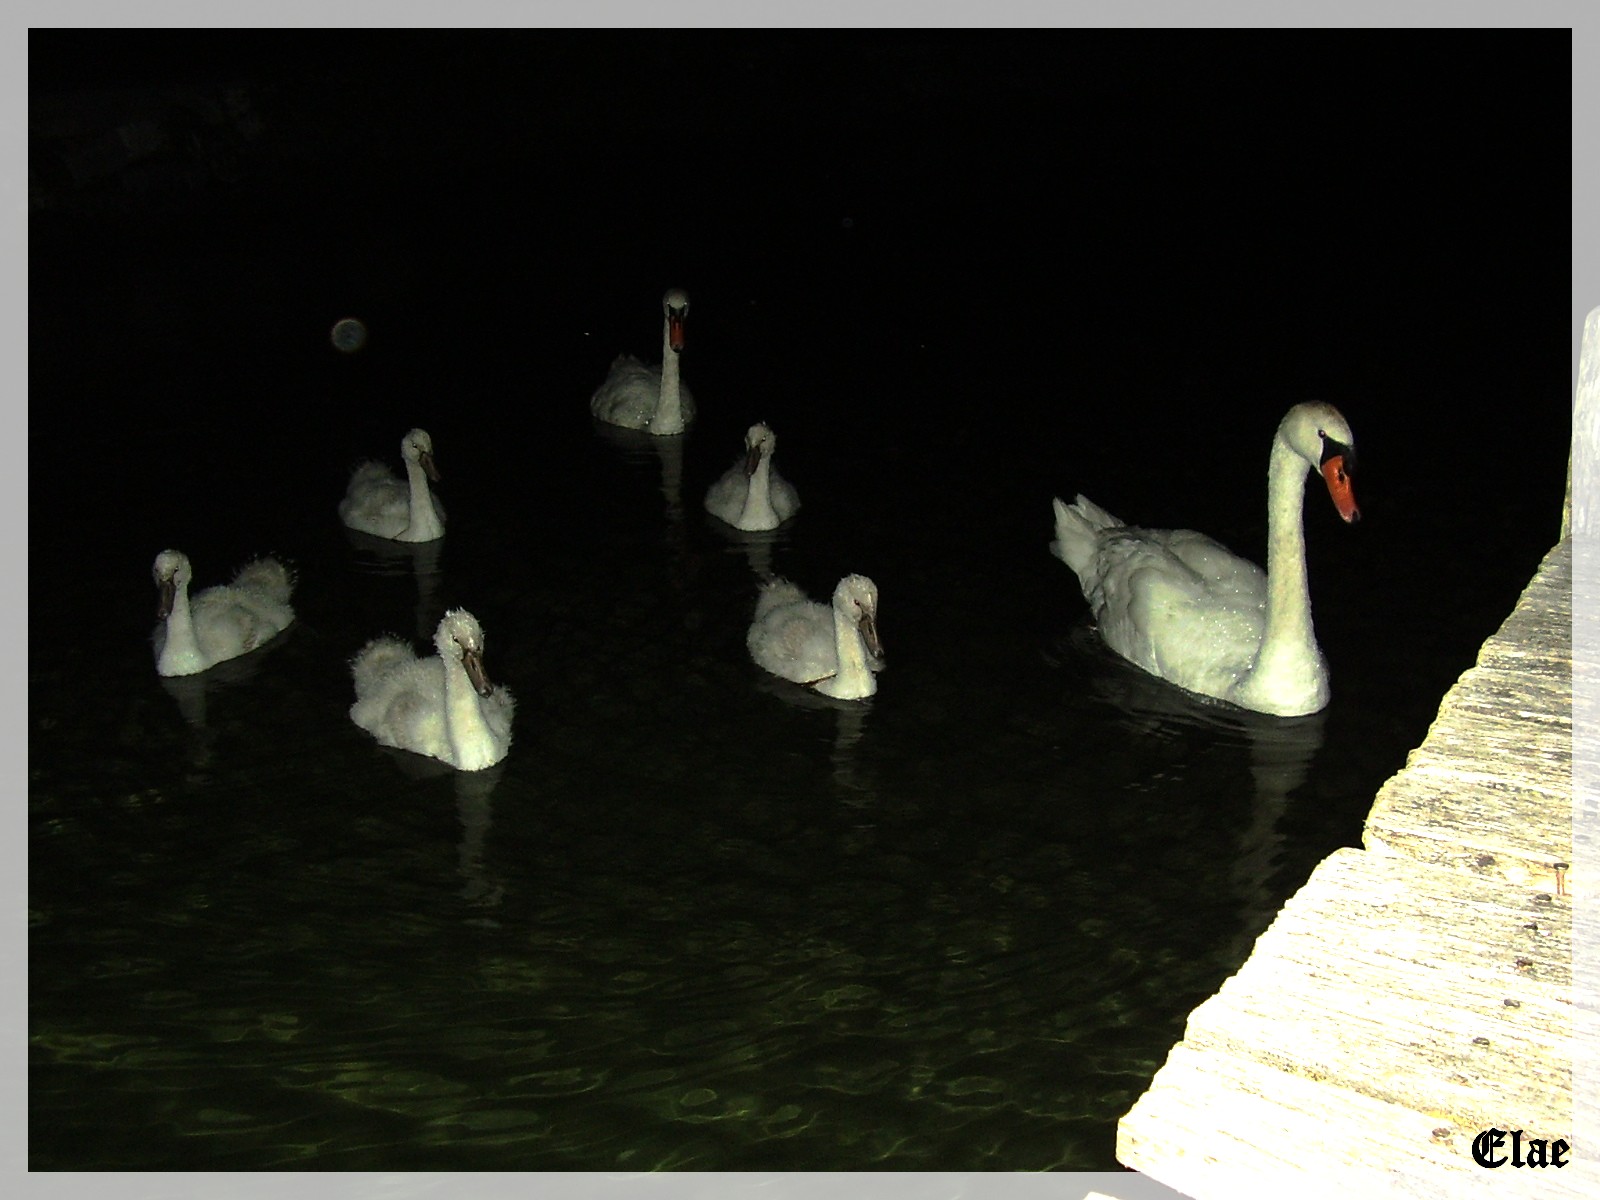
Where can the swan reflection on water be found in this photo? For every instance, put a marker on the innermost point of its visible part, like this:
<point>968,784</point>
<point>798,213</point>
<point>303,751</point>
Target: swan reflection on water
<point>421,560</point>
<point>481,886</point>
<point>757,546</point>
<point>1196,730</point>
<point>192,694</point>
<point>643,450</point>
<point>850,724</point>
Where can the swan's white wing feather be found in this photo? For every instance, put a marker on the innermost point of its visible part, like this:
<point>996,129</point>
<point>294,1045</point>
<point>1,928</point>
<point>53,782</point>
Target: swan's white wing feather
<point>791,636</point>
<point>378,502</point>
<point>234,619</point>
<point>1158,611</point>
<point>785,500</point>
<point>733,498</point>
<point>499,707</point>
<point>402,701</point>
<point>630,392</point>
<point>725,498</point>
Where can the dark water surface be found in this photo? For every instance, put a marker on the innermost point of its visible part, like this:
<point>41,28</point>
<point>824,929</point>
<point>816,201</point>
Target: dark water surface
<point>699,919</point>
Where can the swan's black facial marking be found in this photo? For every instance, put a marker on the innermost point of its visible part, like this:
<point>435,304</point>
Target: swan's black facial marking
<point>1334,448</point>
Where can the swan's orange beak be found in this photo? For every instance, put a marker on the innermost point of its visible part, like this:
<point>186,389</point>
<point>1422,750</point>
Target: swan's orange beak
<point>752,458</point>
<point>166,593</point>
<point>1340,488</point>
<point>426,459</point>
<point>675,330</point>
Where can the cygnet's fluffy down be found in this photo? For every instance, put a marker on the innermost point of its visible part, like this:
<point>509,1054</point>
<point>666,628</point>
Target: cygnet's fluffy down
<point>751,495</point>
<point>379,502</point>
<point>832,648</point>
<point>443,706</point>
<point>221,622</point>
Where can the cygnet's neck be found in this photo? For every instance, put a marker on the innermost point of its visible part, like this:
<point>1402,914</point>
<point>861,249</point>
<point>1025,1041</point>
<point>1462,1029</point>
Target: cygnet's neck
<point>758,512</point>
<point>180,653</point>
<point>471,743</point>
<point>854,679</point>
<point>422,523</point>
<point>669,409</point>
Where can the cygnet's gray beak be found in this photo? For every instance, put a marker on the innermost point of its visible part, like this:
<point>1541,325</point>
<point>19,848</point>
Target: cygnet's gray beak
<point>472,660</point>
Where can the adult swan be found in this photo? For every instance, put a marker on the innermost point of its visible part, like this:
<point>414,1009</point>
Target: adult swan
<point>1187,609</point>
<point>650,398</point>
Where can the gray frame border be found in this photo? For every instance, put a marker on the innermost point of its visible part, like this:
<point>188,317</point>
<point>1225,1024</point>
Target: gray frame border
<point>1585,509</point>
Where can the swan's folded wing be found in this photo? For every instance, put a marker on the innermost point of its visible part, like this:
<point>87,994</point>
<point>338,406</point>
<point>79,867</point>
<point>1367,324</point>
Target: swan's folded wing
<point>266,577</point>
<point>628,393</point>
<point>377,501</point>
<point>785,500</point>
<point>777,593</point>
<point>725,498</point>
<point>795,641</point>
<point>1219,567</point>
<point>377,660</point>
<point>498,708</point>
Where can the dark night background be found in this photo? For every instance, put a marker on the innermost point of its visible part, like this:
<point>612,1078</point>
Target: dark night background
<point>959,272</point>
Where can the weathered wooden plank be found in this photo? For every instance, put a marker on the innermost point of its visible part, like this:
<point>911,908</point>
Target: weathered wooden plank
<point>1468,745</point>
<point>1442,796</point>
<point>1351,1038</point>
<point>1488,792</point>
<point>1390,911</point>
<point>1224,1126</point>
<point>1537,681</point>
<point>1462,1018</point>
<point>1482,828</point>
<point>1415,993</point>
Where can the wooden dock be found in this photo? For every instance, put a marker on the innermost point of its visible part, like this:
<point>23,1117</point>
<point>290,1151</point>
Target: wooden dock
<point>1417,992</point>
<point>1420,991</point>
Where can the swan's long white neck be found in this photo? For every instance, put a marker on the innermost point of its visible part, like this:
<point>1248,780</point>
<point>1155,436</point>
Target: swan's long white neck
<point>758,511</point>
<point>423,520</point>
<point>1289,650</point>
<point>181,648</point>
<point>470,741</point>
<point>669,409</point>
<point>854,679</point>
